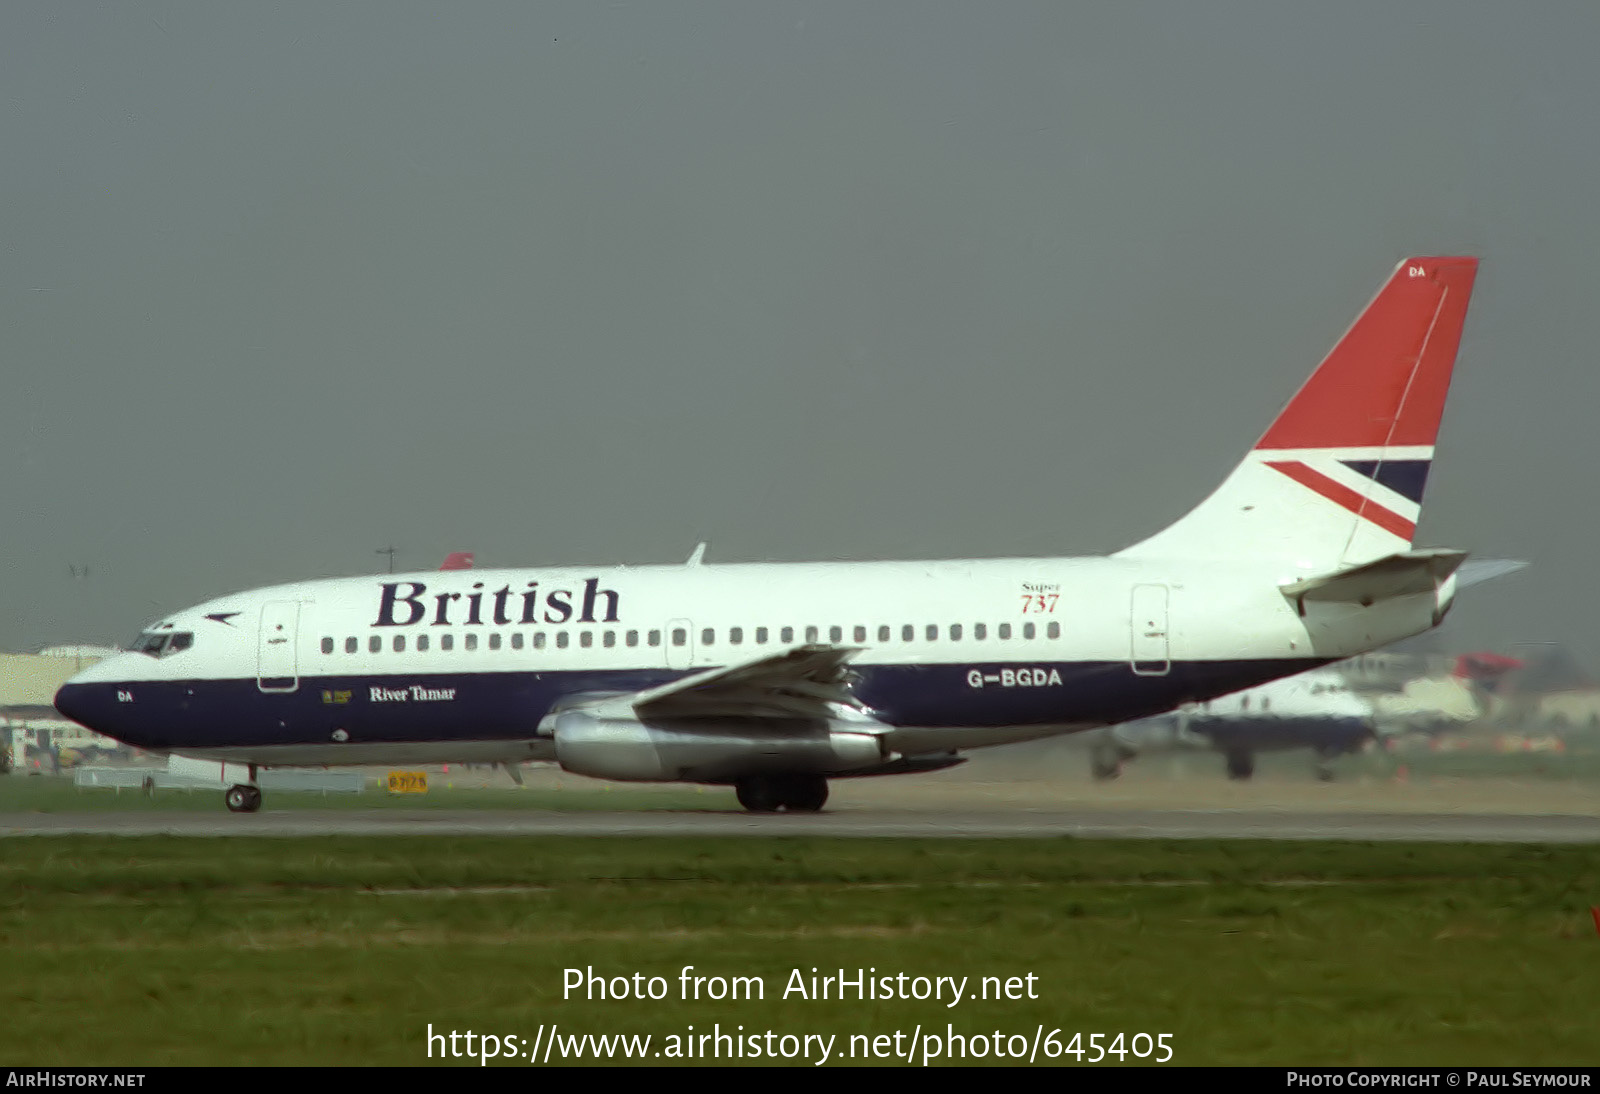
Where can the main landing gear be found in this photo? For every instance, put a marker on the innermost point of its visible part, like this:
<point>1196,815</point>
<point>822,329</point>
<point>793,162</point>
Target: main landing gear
<point>243,797</point>
<point>1241,764</point>
<point>1106,759</point>
<point>794,793</point>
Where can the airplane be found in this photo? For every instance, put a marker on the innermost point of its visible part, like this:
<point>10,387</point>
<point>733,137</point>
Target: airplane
<point>1316,710</point>
<point>1431,705</point>
<point>776,678</point>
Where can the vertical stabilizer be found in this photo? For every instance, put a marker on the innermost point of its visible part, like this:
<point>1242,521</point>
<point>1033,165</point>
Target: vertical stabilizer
<point>1337,479</point>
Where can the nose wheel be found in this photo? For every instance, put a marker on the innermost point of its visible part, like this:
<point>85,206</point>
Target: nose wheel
<point>242,799</point>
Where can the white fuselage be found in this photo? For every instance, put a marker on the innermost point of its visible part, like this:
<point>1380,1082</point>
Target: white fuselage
<point>467,665</point>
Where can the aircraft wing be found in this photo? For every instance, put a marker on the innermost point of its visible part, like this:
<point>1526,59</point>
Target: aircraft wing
<point>802,682</point>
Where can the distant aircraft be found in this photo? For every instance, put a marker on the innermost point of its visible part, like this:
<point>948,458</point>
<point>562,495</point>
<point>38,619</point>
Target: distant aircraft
<point>1315,710</point>
<point>775,678</point>
<point>1433,705</point>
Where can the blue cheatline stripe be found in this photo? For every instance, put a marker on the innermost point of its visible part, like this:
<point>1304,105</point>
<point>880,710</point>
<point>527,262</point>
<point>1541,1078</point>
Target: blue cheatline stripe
<point>1407,478</point>
<point>397,708</point>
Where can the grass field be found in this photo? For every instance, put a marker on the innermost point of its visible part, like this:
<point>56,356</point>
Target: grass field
<point>129,951</point>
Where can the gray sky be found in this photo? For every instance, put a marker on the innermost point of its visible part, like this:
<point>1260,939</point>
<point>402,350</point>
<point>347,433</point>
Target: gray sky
<point>568,283</point>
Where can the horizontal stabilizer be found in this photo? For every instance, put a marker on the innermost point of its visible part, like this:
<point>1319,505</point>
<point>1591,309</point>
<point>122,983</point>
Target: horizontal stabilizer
<point>1407,573</point>
<point>1478,570</point>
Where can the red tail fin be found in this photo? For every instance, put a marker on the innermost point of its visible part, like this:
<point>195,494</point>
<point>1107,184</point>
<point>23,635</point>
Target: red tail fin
<point>458,560</point>
<point>1384,384</point>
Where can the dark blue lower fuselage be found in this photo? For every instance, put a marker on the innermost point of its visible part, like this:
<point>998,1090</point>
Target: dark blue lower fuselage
<point>204,714</point>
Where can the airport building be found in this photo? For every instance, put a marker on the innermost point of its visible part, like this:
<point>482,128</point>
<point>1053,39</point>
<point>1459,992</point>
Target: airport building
<point>33,735</point>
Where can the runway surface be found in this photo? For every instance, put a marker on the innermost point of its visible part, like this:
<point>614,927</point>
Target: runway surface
<point>925,824</point>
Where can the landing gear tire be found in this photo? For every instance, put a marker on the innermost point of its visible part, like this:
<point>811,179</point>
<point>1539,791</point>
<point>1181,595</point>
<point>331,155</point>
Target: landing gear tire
<point>1105,764</point>
<point>805,794</point>
<point>757,795</point>
<point>793,793</point>
<point>1241,765</point>
<point>1323,767</point>
<point>242,799</point>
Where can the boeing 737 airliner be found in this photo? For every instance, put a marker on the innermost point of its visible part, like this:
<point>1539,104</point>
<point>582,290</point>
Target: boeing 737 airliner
<point>776,678</point>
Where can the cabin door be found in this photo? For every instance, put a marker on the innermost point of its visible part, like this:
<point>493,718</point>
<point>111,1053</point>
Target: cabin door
<point>276,665</point>
<point>1149,650</point>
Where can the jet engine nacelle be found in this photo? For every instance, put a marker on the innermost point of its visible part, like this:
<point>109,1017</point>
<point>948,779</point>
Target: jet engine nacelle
<point>628,750</point>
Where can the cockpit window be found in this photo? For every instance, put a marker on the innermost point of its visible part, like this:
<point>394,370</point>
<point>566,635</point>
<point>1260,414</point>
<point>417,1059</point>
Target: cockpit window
<point>150,643</point>
<point>163,644</point>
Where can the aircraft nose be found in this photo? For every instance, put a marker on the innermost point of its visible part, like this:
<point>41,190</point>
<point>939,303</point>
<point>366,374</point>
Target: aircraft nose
<point>76,701</point>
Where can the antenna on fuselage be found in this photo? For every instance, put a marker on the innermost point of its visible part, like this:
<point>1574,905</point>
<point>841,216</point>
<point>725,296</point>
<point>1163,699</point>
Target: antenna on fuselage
<point>390,552</point>
<point>698,554</point>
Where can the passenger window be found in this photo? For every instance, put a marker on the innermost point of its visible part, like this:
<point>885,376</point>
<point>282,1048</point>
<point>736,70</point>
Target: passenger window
<point>786,635</point>
<point>632,638</point>
<point>422,643</point>
<point>883,634</point>
<point>327,645</point>
<point>653,638</point>
<point>861,634</point>
<point>609,639</point>
<point>979,631</point>
<point>1053,630</point>
<point>352,644</point>
<point>447,641</point>
<point>472,641</point>
<point>375,644</point>
<point>933,632</point>
<point>735,635</point>
<point>1004,630</point>
<point>679,636</point>
<point>811,634</point>
<point>761,636</point>
<point>707,636</point>
<point>494,640</point>
<point>908,633</point>
<point>1027,630</point>
<point>538,640</point>
<point>835,634</point>
<point>516,640</point>
<point>955,632</point>
<point>561,640</point>
<point>585,639</point>
<point>399,643</point>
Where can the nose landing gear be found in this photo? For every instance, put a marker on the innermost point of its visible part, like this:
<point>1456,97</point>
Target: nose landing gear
<point>242,799</point>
